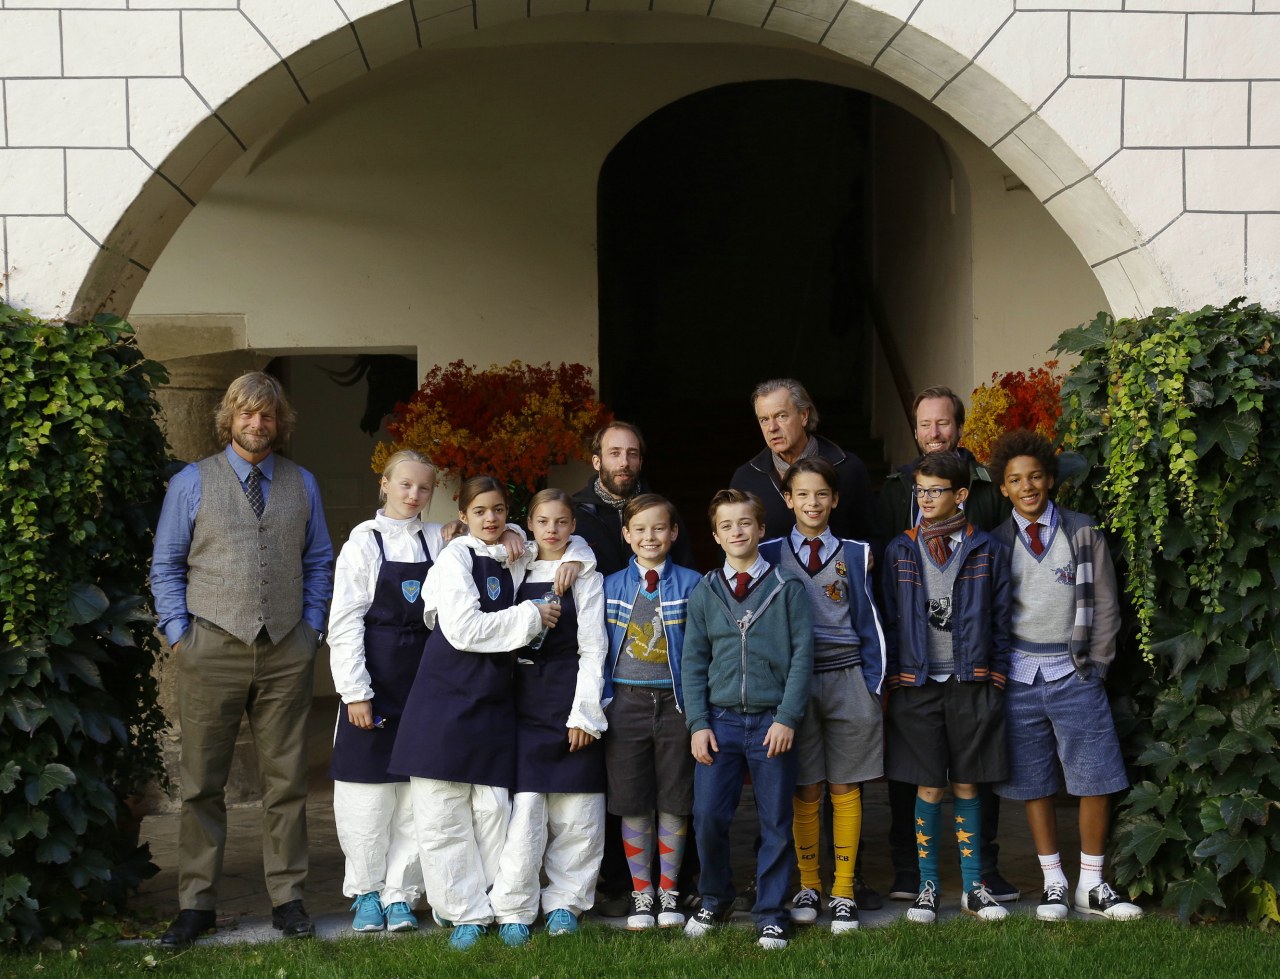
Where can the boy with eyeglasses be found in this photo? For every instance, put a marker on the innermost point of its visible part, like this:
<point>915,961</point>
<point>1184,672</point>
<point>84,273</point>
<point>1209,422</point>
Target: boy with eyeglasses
<point>947,611</point>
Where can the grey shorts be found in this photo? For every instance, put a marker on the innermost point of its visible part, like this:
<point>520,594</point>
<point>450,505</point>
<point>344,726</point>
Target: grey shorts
<point>841,738</point>
<point>946,732</point>
<point>646,753</point>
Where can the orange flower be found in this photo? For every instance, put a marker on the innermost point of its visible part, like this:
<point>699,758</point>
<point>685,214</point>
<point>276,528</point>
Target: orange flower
<point>513,422</point>
<point>1014,399</point>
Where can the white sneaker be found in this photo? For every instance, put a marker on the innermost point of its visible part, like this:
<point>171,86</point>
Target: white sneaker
<point>702,922</point>
<point>1102,900</point>
<point>980,903</point>
<point>772,937</point>
<point>924,909</point>
<point>1053,904</point>
<point>844,915</point>
<point>669,913</point>
<point>805,906</point>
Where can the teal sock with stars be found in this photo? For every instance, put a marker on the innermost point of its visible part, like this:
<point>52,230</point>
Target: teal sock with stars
<point>968,816</point>
<point>928,815</point>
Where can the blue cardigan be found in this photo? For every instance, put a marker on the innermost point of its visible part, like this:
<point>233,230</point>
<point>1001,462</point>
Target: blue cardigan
<point>863,613</point>
<point>675,585</point>
<point>982,610</point>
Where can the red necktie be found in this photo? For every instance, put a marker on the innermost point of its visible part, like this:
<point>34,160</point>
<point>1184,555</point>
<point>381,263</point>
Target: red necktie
<point>1033,535</point>
<point>815,556</point>
<point>651,581</point>
<point>740,582</point>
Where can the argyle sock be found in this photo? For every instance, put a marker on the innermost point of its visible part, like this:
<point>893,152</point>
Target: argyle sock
<point>928,815</point>
<point>804,827</point>
<point>1051,867</point>
<point>846,827</point>
<point>637,844</point>
<point>673,833</point>
<point>968,816</point>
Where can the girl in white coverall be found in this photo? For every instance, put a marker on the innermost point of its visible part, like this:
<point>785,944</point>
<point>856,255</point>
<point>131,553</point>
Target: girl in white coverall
<point>557,818</point>
<point>457,737</point>
<point>376,637</point>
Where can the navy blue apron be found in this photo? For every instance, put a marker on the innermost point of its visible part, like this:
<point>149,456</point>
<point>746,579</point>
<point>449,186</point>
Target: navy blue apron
<point>459,721</point>
<point>394,636</point>
<point>544,697</point>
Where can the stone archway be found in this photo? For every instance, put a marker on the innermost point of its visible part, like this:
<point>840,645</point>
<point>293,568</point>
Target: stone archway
<point>108,167</point>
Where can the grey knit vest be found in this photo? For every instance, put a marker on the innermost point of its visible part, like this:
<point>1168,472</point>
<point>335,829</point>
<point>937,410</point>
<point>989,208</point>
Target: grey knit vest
<point>243,573</point>
<point>940,586</point>
<point>1044,597</point>
<point>835,644</point>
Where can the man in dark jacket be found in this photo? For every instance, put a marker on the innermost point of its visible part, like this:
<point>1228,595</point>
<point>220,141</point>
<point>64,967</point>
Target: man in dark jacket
<point>938,415</point>
<point>617,455</point>
<point>789,422</point>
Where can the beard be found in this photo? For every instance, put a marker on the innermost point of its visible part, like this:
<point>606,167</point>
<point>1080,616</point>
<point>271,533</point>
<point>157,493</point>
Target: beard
<point>620,482</point>
<point>251,443</point>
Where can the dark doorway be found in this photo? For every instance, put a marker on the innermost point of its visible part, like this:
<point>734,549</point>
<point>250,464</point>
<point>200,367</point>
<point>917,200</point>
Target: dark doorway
<point>734,245</point>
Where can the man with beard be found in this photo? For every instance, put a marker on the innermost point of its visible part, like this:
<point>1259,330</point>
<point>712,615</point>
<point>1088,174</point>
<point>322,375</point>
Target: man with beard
<point>242,575</point>
<point>617,455</point>
<point>938,415</point>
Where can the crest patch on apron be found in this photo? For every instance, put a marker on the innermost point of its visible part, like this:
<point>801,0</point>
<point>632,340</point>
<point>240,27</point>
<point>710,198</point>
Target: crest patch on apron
<point>411,590</point>
<point>493,587</point>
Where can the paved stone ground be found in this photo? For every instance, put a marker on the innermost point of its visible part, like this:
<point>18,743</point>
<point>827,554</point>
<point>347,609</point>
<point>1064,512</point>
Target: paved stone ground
<point>244,908</point>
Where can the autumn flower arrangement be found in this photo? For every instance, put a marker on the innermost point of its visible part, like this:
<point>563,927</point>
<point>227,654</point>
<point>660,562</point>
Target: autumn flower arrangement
<point>1014,399</point>
<point>514,422</point>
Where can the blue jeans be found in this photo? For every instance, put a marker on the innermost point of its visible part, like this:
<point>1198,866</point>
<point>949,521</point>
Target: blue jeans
<point>717,789</point>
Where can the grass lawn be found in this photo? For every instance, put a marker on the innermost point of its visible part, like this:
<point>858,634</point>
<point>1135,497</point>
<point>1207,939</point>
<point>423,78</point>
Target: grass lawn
<point>1020,947</point>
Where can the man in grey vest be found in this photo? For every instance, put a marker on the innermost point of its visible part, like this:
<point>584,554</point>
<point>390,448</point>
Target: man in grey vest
<point>242,575</point>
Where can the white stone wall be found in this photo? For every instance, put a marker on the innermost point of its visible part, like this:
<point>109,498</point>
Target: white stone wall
<point>1150,129</point>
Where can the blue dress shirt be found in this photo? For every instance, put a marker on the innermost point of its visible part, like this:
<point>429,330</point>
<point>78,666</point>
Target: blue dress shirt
<point>173,543</point>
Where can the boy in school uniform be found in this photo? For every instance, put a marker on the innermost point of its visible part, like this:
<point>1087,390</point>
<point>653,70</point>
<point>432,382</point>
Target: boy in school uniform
<point>647,753</point>
<point>947,613</point>
<point>840,743</point>
<point>1066,614</point>
<point>748,657</point>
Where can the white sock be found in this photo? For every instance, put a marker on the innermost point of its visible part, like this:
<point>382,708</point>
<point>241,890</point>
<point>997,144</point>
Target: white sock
<point>1051,867</point>
<point>1090,871</point>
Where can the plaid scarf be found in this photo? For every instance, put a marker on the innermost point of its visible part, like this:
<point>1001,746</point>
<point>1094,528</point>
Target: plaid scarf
<point>607,498</point>
<point>936,533</point>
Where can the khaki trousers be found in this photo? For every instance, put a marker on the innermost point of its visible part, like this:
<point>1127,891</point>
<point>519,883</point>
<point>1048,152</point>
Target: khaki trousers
<point>220,679</point>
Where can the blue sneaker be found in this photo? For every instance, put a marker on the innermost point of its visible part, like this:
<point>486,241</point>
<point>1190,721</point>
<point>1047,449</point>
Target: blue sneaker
<point>561,922</point>
<point>401,918</point>
<point>514,934</point>
<point>465,936</point>
<point>369,916</point>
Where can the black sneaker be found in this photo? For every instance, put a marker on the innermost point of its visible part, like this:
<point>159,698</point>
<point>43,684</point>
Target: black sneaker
<point>866,895</point>
<point>844,915</point>
<point>906,885</point>
<point>669,913</point>
<point>641,914</point>
<point>981,903</point>
<point>1102,900</point>
<point>806,906</point>
<point>924,909</point>
<point>772,937</point>
<point>1000,889</point>
<point>1053,904</point>
<point>702,922</point>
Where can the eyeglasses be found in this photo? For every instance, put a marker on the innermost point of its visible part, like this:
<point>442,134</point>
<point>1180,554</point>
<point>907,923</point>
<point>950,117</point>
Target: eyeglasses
<point>932,492</point>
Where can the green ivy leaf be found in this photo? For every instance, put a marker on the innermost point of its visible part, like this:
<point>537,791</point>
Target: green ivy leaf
<point>52,779</point>
<point>1161,758</point>
<point>1229,851</point>
<point>1253,808</point>
<point>1183,650</point>
<point>86,603</point>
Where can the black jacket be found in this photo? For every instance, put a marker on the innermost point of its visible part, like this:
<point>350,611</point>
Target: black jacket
<point>852,518</point>
<point>600,525</point>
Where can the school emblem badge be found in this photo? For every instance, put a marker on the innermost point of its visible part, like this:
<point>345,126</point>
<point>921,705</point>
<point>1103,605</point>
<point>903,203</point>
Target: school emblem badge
<point>842,569</point>
<point>493,588</point>
<point>410,590</point>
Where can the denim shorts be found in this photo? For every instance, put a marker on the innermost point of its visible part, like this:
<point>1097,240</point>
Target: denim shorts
<point>1061,724</point>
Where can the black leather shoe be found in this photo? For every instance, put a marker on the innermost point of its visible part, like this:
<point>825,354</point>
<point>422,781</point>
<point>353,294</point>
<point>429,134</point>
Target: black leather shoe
<point>292,919</point>
<point>866,896</point>
<point>187,927</point>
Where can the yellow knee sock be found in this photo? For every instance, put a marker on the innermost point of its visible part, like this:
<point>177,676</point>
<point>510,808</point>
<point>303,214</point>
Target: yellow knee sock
<point>804,826</point>
<point>846,827</point>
